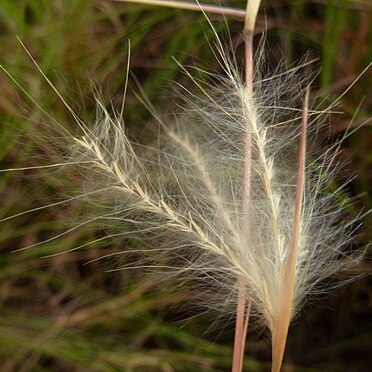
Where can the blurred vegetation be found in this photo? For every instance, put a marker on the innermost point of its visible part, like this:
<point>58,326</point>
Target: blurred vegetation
<point>58,313</point>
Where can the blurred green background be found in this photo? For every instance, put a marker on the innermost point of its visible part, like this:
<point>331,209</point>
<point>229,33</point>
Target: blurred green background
<point>58,313</point>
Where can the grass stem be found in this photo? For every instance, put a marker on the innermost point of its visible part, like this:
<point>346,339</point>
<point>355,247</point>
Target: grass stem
<point>280,331</point>
<point>207,8</point>
<point>242,315</point>
<point>240,330</point>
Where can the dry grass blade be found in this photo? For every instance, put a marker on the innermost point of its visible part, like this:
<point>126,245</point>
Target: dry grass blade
<point>280,327</point>
<point>207,8</point>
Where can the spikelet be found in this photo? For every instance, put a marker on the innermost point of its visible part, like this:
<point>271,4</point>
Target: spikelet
<point>183,196</point>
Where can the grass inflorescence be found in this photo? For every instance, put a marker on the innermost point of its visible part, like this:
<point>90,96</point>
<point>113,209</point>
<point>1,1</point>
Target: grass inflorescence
<point>96,321</point>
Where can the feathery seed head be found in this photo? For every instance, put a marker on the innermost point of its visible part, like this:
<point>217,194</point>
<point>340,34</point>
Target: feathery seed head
<point>202,216</point>
<point>185,193</point>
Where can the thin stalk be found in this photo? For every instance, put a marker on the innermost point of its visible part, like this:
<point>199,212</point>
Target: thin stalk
<point>281,325</point>
<point>248,32</point>
<point>246,324</point>
<point>243,305</point>
<point>241,327</point>
<point>207,8</point>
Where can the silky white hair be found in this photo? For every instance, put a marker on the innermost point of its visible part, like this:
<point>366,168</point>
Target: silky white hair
<point>182,197</point>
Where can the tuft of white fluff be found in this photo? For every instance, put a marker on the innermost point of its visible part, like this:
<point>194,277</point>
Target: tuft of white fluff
<point>183,196</point>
